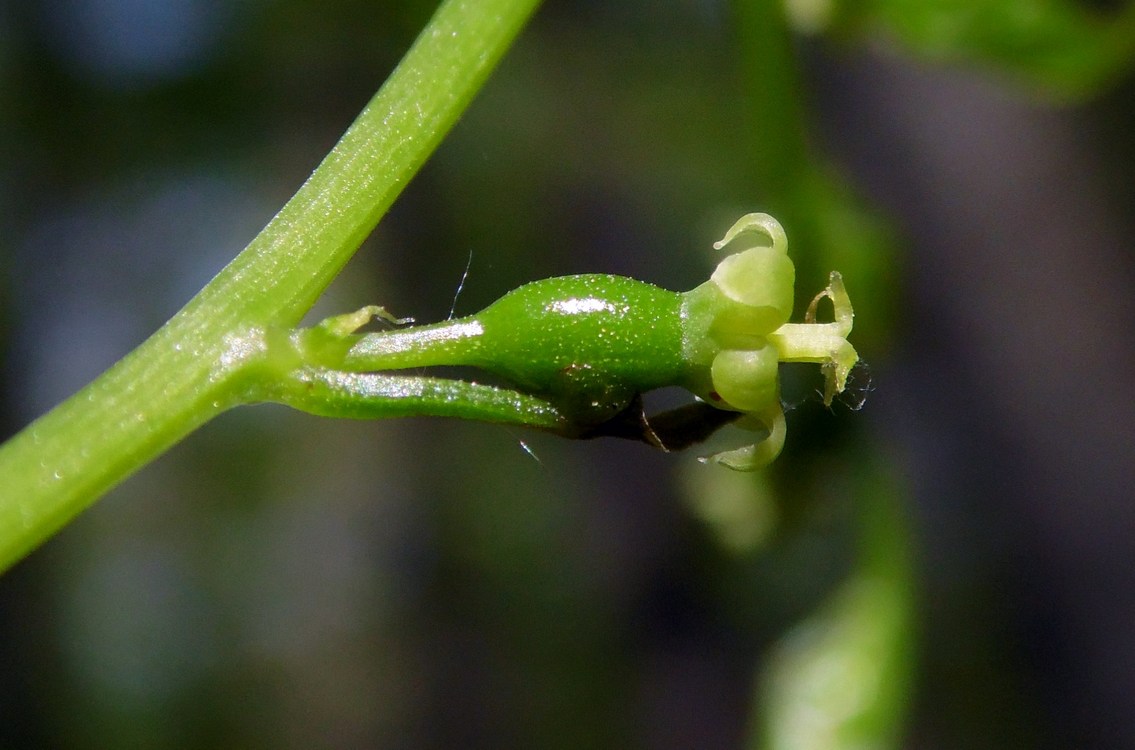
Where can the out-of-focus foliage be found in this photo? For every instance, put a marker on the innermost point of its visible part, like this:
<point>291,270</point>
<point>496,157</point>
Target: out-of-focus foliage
<point>841,677</point>
<point>1067,48</point>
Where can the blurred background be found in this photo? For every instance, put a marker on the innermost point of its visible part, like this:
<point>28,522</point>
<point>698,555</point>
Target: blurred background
<point>950,566</point>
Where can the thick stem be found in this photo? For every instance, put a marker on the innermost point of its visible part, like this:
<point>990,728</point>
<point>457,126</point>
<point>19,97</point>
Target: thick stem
<point>196,365</point>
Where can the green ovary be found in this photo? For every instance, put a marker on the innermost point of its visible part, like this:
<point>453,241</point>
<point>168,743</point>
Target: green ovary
<point>590,342</point>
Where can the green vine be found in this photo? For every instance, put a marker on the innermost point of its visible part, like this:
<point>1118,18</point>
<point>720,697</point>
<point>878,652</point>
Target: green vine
<point>199,363</point>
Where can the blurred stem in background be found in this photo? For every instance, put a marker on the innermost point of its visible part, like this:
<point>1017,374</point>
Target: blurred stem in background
<point>829,225</point>
<point>841,677</point>
<point>838,678</point>
<point>775,122</point>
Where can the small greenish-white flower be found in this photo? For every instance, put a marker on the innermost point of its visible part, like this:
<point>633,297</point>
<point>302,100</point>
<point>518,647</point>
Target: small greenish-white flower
<point>588,346</point>
<point>737,324</point>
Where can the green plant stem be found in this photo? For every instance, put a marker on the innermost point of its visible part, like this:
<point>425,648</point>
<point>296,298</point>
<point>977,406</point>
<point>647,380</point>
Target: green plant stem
<point>196,365</point>
<point>363,395</point>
